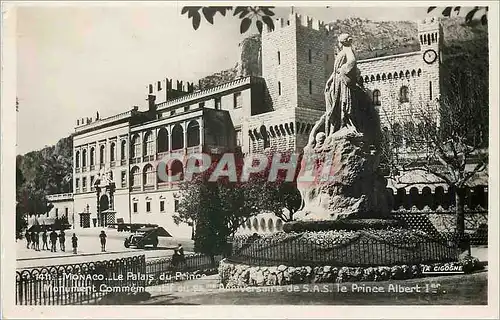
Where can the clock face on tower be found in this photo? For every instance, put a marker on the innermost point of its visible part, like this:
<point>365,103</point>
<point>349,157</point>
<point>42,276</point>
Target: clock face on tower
<point>430,56</point>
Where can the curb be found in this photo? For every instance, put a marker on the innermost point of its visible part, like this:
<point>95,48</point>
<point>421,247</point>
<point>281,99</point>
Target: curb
<point>77,255</point>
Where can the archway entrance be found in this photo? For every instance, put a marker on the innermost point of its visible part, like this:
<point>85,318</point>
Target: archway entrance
<point>103,206</point>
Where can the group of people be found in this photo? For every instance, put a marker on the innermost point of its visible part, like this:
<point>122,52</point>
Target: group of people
<point>33,240</point>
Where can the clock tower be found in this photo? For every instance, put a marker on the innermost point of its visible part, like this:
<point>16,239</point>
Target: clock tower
<point>430,35</point>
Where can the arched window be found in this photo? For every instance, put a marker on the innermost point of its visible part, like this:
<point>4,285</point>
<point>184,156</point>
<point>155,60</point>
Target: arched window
<point>270,225</point>
<point>176,167</point>
<point>263,224</point>
<point>77,158</point>
<point>376,97</point>
<point>101,155</point>
<point>136,147</point>
<point>403,94</point>
<point>135,176</point>
<point>162,140</point>
<point>84,158</point>
<point>279,225</point>
<point>177,137</point>
<point>112,151</point>
<point>149,175</point>
<point>123,151</point>
<point>92,156</point>
<point>256,224</point>
<point>193,134</point>
<point>249,224</point>
<point>148,144</point>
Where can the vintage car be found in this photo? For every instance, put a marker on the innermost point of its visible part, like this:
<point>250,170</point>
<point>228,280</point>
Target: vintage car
<point>146,236</point>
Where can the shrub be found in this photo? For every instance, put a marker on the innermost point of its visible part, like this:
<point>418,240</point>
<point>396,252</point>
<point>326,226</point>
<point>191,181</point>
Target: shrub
<point>342,224</point>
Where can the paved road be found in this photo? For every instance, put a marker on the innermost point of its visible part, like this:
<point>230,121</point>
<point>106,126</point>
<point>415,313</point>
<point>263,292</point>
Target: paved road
<point>89,249</point>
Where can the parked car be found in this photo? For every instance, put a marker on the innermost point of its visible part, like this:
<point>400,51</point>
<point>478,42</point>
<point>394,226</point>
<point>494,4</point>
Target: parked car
<point>145,236</point>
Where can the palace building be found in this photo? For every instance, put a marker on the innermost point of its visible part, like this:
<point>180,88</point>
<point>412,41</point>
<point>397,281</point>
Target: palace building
<point>115,158</point>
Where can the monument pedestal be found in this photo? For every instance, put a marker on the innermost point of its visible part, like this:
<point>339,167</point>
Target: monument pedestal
<point>347,182</point>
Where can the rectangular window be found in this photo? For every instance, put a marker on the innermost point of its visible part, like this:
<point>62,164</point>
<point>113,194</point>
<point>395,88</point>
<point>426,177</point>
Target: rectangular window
<point>77,184</point>
<point>279,88</point>
<point>310,56</point>
<point>310,87</point>
<point>92,183</point>
<point>148,206</point>
<point>150,88</point>
<point>66,211</point>
<point>84,184</point>
<point>124,179</point>
<point>57,212</point>
<point>237,100</point>
<point>279,58</point>
<point>176,205</point>
<point>430,90</point>
<point>239,137</point>
<point>135,207</point>
<point>217,103</point>
<point>162,206</point>
<point>327,58</point>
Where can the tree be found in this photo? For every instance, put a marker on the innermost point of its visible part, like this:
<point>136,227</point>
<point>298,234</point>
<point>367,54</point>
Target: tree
<point>260,15</point>
<point>217,208</point>
<point>448,138</point>
<point>280,194</point>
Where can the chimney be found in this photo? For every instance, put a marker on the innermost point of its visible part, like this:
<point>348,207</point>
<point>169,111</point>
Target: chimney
<point>151,102</point>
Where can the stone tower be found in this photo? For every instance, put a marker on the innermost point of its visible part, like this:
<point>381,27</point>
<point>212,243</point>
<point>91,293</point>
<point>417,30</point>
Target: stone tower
<point>430,35</point>
<point>297,59</point>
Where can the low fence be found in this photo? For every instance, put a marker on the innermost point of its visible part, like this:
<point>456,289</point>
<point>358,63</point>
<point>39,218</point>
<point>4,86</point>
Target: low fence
<point>87,283</point>
<point>166,270</point>
<point>362,252</point>
<point>78,283</point>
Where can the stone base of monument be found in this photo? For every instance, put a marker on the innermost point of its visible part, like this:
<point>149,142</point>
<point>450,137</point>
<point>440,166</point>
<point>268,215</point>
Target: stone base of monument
<point>387,251</point>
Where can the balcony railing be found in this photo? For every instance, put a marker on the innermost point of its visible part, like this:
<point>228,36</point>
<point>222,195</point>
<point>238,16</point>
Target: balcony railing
<point>77,170</point>
<point>84,169</point>
<point>92,167</point>
<point>60,196</point>
<point>112,164</point>
<point>123,162</point>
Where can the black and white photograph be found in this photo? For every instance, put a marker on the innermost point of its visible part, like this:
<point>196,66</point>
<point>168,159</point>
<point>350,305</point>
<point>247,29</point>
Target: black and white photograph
<point>284,154</point>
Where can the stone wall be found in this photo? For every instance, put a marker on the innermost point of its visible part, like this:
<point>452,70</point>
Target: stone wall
<point>234,275</point>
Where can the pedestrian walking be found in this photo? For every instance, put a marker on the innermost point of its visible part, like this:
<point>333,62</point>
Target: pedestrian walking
<point>62,240</point>
<point>27,235</point>
<point>53,240</point>
<point>37,241</point>
<point>74,242</point>
<point>102,236</point>
<point>33,239</point>
<point>44,240</point>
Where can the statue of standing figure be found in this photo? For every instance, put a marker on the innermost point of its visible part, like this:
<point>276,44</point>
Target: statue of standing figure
<point>339,90</point>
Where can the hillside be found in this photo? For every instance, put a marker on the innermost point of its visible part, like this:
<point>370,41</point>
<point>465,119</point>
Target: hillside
<point>371,39</point>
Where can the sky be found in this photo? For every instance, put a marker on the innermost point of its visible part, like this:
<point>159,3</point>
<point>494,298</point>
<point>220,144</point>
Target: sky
<point>75,60</point>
